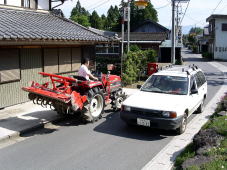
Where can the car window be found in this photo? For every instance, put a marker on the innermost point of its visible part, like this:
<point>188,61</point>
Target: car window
<point>166,84</point>
<point>201,77</point>
<point>192,83</point>
<point>198,81</point>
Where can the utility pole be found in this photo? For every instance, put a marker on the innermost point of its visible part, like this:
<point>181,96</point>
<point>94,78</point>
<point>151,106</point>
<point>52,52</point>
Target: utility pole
<point>177,23</point>
<point>122,41</point>
<point>173,33</point>
<point>129,13</point>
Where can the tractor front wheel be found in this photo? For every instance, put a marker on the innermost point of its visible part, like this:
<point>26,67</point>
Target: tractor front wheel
<point>118,99</point>
<point>94,108</point>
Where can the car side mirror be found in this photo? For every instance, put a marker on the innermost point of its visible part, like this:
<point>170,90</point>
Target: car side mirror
<point>138,86</point>
<point>194,91</point>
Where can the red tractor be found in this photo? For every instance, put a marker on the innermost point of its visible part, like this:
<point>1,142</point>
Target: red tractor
<point>74,94</point>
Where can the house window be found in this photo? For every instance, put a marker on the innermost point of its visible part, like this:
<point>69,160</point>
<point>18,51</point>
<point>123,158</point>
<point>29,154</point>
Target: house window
<point>105,49</point>
<point>3,2</point>
<point>29,4</point>
<point>61,60</point>
<point>25,3</point>
<point>224,27</point>
<point>9,65</point>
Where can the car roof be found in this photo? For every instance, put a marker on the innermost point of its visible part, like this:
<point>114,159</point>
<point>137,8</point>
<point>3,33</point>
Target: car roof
<point>181,71</point>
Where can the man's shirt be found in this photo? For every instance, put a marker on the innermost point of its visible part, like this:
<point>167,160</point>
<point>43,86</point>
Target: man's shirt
<point>84,72</point>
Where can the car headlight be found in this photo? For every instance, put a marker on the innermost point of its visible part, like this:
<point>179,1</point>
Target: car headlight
<point>169,114</point>
<point>126,108</point>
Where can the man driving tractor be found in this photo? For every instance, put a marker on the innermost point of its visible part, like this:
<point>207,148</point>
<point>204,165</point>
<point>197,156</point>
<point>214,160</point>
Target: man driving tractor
<point>84,71</point>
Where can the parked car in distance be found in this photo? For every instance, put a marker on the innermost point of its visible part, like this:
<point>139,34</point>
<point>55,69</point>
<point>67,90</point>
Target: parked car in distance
<point>167,99</point>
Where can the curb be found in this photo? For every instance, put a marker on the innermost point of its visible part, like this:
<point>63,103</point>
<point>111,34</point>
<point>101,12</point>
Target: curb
<point>41,125</point>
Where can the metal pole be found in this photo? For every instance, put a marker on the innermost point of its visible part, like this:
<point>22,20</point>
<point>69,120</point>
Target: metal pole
<point>173,33</point>
<point>122,42</point>
<point>129,12</point>
<point>177,24</point>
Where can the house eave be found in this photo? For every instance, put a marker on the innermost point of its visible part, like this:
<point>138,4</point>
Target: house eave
<point>144,42</point>
<point>48,42</point>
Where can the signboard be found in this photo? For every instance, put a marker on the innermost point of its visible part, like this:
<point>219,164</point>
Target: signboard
<point>126,13</point>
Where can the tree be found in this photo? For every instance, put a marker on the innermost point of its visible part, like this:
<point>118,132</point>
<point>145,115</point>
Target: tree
<point>82,20</point>
<point>138,16</point>
<point>95,20</point>
<point>79,10</point>
<point>113,16</point>
<point>80,15</point>
<point>104,22</point>
<point>196,30</point>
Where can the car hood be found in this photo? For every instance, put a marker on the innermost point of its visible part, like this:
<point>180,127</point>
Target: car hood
<point>156,101</point>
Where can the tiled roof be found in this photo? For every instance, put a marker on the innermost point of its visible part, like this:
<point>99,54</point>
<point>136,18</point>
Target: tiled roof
<point>22,25</point>
<point>142,36</point>
<point>105,33</point>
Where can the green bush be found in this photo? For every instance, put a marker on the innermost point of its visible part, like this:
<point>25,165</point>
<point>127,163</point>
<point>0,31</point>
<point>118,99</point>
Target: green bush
<point>135,63</point>
<point>189,152</point>
<point>179,62</point>
<point>102,62</point>
<point>194,49</point>
<point>207,55</point>
<point>134,48</point>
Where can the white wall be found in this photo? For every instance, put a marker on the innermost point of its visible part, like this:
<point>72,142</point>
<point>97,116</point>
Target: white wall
<point>1,1</point>
<point>14,2</point>
<point>220,49</point>
<point>43,4</point>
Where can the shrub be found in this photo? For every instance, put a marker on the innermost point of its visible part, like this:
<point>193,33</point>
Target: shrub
<point>135,63</point>
<point>102,62</point>
<point>207,55</point>
<point>194,49</point>
<point>179,62</point>
<point>134,48</point>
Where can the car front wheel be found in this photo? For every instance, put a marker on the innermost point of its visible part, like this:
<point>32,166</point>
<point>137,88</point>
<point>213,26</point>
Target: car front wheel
<point>183,126</point>
<point>201,107</point>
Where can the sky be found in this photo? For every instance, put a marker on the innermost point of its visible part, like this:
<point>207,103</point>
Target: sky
<point>196,14</point>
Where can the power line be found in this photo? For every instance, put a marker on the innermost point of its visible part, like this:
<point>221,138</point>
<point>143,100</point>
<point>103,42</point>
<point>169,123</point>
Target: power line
<point>163,6</point>
<point>99,5</point>
<point>217,6</point>
<point>184,13</point>
<point>91,6</point>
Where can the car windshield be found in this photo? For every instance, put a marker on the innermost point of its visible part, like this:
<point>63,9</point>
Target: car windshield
<point>166,84</point>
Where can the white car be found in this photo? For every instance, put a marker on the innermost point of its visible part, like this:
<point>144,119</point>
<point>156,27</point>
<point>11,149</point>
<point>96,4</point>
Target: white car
<point>167,99</point>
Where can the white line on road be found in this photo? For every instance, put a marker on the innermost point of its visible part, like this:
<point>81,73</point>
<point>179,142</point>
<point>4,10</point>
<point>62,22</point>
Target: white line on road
<point>165,158</point>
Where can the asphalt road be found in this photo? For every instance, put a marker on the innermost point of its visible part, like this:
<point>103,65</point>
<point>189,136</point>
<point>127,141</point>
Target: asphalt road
<point>106,144</point>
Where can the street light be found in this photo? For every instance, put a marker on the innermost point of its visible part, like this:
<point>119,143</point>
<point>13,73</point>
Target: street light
<point>141,4</point>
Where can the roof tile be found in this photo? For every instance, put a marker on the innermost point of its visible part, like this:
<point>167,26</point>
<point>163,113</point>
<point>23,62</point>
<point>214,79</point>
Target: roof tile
<point>18,24</point>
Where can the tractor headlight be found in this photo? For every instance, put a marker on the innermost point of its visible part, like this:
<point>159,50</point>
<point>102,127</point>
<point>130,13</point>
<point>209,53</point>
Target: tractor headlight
<point>169,114</point>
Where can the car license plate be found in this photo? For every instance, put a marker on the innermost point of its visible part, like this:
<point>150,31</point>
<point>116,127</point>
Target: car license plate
<point>143,122</point>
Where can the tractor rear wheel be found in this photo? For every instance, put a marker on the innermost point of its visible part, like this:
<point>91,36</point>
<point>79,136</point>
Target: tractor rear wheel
<point>94,108</point>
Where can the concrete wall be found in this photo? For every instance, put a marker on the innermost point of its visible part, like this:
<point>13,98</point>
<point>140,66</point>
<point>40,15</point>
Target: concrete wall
<point>43,4</point>
<point>220,49</point>
<point>12,2</point>
<point>31,64</point>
